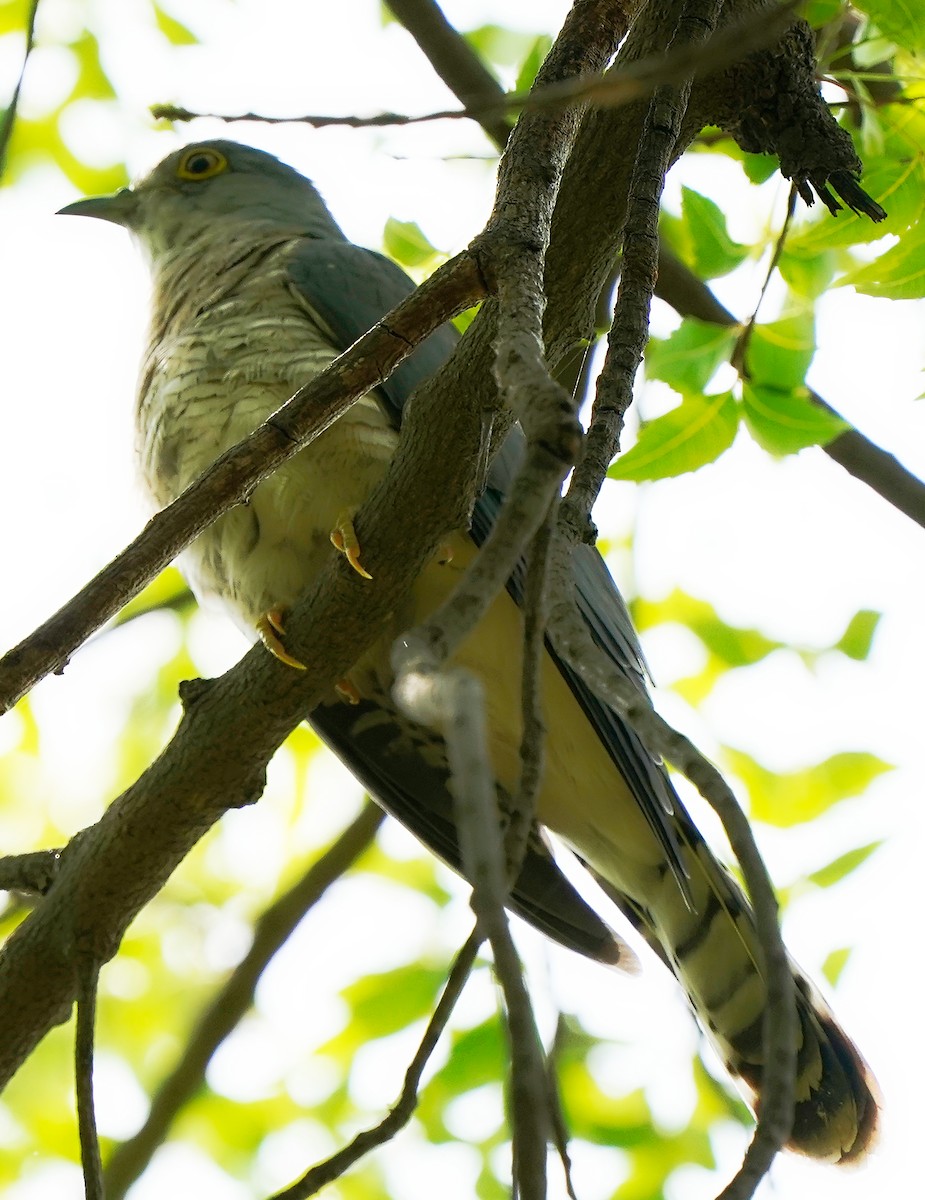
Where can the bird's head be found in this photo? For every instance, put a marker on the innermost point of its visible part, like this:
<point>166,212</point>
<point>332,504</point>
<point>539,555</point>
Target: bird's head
<point>209,187</point>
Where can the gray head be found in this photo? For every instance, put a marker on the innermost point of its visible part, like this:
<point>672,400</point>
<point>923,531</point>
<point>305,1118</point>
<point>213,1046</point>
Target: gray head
<point>210,187</point>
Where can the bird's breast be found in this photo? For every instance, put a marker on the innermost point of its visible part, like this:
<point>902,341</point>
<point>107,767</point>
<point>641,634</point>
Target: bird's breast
<point>206,385</point>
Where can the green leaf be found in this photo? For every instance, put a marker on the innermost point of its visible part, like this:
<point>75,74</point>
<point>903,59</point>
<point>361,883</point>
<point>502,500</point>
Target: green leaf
<point>808,273</point>
<point>172,29</point>
<point>405,242</point>
<point>785,422</point>
<point>713,250</point>
<point>839,867</point>
<point>477,1057</point>
<point>417,874</point>
<point>463,320</point>
<point>382,1004</point>
<point>898,273</point>
<point>532,62</point>
<point>508,47</point>
<point>690,436</point>
<point>93,82</point>
<point>167,590</point>
<point>12,16</point>
<point>779,353</point>
<point>728,646</point>
<point>900,20</point>
<point>857,639</point>
<point>688,359</point>
<point>820,12</point>
<point>786,798</point>
<point>759,167</point>
<point>835,963</point>
<point>734,645</point>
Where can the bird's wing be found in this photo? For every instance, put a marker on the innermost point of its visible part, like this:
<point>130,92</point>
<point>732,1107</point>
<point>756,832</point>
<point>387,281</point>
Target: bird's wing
<point>349,289</point>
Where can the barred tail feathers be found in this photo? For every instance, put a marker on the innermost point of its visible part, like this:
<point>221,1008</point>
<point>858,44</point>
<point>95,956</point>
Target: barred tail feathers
<point>711,945</point>
<point>705,932</point>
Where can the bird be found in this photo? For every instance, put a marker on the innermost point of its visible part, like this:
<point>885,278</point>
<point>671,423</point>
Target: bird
<point>255,291</point>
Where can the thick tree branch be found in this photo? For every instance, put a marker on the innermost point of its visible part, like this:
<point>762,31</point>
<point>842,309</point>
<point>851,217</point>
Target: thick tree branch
<point>511,254</point>
<point>630,326</point>
<point>232,477</point>
<point>232,725</point>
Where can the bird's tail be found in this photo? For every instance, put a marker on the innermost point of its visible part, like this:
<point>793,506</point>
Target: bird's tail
<point>709,941</point>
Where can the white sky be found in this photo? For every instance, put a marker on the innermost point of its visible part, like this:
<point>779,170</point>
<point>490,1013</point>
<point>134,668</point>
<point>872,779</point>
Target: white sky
<point>793,548</point>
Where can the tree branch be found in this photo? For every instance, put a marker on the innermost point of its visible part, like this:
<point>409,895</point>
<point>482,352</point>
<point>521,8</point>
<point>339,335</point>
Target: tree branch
<point>573,643</point>
<point>33,872</point>
<point>689,296</point>
<point>636,80</point>
<point>232,477</point>
<point>456,63</point>
<point>630,326</point>
<point>511,253</point>
<point>88,984</point>
<point>235,997</point>
<point>231,726</point>
<point>401,1112</point>
<point>8,119</point>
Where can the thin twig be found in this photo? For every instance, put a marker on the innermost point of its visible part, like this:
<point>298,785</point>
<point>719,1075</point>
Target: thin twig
<point>235,997</point>
<point>88,974</point>
<point>739,356</point>
<point>458,698</point>
<point>332,1168</point>
<point>573,643</point>
<point>455,62</point>
<point>630,327</point>
<point>9,116</point>
<point>533,736</point>
<point>560,1132</point>
<point>511,252</point>
<point>689,296</point>
<point>453,700</point>
<point>636,80</point>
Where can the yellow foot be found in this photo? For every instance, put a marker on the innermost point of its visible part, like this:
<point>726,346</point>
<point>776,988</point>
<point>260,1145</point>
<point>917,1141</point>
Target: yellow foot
<point>344,537</point>
<point>269,628</point>
<point>346,690</point>
<point>444,554</point>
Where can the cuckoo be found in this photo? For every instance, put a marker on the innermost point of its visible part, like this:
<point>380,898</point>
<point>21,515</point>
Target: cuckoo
<point>255,290</point>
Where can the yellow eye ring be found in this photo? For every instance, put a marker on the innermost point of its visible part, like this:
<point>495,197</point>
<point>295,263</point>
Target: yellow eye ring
<point>201,163</point>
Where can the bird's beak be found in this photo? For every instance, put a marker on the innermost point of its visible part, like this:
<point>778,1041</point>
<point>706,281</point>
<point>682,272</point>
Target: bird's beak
<point>119,208</point>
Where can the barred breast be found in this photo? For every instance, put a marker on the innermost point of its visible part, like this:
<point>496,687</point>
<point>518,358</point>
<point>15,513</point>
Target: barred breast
<point>230,351</point>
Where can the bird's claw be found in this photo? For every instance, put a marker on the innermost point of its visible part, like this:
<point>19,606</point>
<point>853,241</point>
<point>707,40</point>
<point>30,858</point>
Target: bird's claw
<point>344,539</point>
<point>347,691</point>
<point>269,628</point>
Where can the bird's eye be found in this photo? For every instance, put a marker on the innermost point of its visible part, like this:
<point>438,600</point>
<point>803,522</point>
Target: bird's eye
<point>201,164</point>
